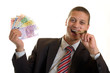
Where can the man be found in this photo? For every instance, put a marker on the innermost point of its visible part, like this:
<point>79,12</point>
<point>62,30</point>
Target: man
<point>49,53</point>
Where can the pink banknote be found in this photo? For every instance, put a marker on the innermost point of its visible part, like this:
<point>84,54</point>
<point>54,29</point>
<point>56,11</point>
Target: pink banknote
<point>28,31</point>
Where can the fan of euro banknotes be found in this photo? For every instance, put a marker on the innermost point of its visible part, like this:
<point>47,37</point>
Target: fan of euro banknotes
<point>24,24</point>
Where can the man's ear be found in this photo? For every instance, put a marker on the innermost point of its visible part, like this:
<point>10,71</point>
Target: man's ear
<point>66,23</point>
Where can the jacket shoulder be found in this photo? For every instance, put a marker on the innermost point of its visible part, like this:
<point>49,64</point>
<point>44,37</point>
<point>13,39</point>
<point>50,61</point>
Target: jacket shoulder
<point>45,42</point>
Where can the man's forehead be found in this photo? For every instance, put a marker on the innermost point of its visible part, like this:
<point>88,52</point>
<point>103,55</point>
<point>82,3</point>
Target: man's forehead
<point>79,15</point>
<point>76,12</point>
<point>82,19</point>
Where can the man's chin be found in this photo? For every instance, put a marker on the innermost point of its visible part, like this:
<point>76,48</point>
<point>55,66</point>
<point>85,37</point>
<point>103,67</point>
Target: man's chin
<point>74,38</point>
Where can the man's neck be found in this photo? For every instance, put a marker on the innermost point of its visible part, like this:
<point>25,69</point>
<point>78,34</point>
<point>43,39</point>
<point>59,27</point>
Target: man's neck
<point>69,41</point>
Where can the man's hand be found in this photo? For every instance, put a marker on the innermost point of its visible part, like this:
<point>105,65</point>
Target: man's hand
<point>90,43</point>
<point>14,34</point>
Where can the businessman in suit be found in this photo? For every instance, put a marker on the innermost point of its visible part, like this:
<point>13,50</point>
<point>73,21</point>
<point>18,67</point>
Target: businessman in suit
<point>48,53</point>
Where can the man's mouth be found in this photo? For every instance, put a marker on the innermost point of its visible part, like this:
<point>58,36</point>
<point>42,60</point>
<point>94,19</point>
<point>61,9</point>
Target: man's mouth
<point>77,32</point>
<point>74,31</point>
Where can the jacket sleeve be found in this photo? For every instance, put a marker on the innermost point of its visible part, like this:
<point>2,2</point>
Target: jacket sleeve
<point>102,67</point>
<point>22,65</point>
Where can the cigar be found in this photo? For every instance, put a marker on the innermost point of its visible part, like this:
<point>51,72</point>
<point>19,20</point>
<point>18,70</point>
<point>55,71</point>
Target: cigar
<point>81,32</point>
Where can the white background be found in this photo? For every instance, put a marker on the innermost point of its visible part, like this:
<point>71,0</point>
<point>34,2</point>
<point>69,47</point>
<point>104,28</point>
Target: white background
<point>50,17</point>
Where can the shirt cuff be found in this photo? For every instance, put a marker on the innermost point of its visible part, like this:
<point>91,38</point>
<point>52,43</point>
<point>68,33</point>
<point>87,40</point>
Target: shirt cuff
<point>95,56</point>
<point>19,54</point>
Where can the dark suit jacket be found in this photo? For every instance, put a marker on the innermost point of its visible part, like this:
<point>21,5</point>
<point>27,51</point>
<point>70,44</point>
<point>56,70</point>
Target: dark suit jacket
<point>44,54</point>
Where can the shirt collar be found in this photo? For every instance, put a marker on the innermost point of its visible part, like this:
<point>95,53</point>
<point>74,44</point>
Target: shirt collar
<point>64,44</point>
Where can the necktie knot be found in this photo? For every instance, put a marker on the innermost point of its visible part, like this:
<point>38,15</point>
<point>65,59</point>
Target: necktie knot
<point>70,48</point>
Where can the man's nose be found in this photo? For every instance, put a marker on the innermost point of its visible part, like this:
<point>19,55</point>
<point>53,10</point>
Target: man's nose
<point>76,25</point>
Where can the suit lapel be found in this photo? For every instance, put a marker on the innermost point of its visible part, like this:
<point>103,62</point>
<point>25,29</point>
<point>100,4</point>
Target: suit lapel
<point>75,58</point>
<point>53,48</point>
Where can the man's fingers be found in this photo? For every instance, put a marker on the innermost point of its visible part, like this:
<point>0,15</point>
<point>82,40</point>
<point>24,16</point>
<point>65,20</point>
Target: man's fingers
<point>82,37</point>
<point>86,37</point>
<point>14,34</point>
<point>11,35</point>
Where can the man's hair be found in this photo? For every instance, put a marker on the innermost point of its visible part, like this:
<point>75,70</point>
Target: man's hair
<point>82,9</point>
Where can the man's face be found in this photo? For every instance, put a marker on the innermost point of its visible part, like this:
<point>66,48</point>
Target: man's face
<point>77,21</point>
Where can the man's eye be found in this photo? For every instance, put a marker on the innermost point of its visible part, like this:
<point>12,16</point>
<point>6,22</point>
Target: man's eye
<point>72,20</point>
<point>82,23</point>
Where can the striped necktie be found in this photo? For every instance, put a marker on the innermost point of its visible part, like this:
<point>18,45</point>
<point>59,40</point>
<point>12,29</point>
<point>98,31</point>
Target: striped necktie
<point>64,64</point>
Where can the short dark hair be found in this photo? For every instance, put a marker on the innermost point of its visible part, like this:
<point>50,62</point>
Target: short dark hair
<point>79,8</point>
